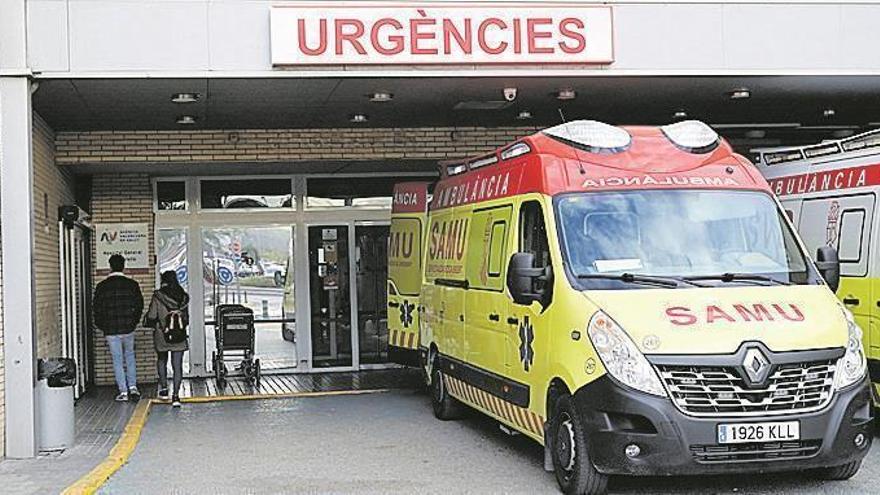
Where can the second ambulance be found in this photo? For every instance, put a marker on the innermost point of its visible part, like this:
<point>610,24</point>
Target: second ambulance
<point>635,300</point>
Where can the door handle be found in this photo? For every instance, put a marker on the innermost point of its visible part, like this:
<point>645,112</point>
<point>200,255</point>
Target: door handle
<point>512,320</point>
<point>851,301</point>
<point>393,304</point>
<point>494,317</point>
<point>460,317</point>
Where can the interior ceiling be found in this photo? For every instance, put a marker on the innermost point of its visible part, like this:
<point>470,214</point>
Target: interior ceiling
<point>799,101</point>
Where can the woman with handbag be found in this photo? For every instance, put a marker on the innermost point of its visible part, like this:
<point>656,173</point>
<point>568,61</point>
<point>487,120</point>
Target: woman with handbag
<point>168,315</point>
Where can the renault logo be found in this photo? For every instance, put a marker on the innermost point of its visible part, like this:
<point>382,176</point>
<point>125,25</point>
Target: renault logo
<point>756,365</point>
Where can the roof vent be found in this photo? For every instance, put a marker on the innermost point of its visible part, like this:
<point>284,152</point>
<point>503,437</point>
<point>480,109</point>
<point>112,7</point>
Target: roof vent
<point>692,136</point>
<point>596,137</point>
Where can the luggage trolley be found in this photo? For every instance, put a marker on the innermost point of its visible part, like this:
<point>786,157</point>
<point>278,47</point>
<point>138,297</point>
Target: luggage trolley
<point>235,336</point>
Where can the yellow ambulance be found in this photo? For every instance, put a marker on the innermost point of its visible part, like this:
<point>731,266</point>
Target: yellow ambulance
<point>830,192</point>
<point>636,300</point>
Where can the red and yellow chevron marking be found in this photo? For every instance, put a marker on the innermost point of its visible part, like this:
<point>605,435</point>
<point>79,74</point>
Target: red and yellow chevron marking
<point>407,340</point>
<point>523,419</point>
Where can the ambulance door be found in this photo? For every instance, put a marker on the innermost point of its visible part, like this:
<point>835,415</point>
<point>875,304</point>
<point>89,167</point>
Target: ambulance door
<point>444,270</point>
<point>486,333</point>
<point>844,222</point>
<point>526,324</point>
<point>404,287</point>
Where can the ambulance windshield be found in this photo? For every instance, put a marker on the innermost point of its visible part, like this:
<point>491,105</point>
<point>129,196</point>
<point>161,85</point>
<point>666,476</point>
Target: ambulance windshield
<point>696,234</point>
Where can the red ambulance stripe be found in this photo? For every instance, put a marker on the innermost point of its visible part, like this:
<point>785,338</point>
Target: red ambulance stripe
<point>827,180</point>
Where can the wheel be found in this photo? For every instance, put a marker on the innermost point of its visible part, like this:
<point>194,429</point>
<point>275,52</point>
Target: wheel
<point>840,473</point>
<point>287,333</point>
<point>257,373</point>
<point>445,406</point>
<point>279,279</point>
<point>569,447</point>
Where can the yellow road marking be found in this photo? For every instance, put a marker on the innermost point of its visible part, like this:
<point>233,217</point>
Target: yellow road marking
<point>119,454</point>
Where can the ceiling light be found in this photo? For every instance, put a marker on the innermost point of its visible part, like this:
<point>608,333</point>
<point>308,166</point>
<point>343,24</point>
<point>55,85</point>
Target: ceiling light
<point>740,94</point>
<point>185,97</point>
<point>186,120</point>
<point>381,96</point>
<point>756,134</point>
<point>566,94</point>
<point>679,115</point>
<point>358,118</point>
<point>524,115</point>
<point>843,133</point>
<point>829,112</point>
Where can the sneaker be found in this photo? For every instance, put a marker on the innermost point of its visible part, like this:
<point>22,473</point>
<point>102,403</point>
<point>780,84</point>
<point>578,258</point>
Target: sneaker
<point>134,394</point>
<point>122,397</point>
<point>163,394</point>
<point>175,402</point>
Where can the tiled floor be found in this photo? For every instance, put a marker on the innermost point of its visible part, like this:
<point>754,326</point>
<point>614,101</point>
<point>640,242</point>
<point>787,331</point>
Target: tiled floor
<point>100,420</point>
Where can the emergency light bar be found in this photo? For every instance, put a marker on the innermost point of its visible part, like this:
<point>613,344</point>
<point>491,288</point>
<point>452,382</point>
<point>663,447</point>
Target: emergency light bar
<point>596,137</point>
<point>692,136</point>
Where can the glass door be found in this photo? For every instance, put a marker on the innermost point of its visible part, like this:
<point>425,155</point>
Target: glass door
<point>371,274</point>
<point>330,296</point>
<point>253,267</point>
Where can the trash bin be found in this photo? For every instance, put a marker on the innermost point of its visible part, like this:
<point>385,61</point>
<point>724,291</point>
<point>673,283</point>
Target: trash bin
<point>56,378</point>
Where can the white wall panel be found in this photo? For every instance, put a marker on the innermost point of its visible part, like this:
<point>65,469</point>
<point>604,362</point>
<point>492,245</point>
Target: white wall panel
<point>239,33</point>
<point>47,34</point>
<point>139,35</point>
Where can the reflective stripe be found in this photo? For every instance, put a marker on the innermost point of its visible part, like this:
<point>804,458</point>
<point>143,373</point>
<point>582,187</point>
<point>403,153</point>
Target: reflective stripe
<point>521,418</point>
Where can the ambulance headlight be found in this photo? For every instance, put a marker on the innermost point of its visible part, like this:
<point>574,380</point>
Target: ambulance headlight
<point>853,365</point>
<point>621,357</point>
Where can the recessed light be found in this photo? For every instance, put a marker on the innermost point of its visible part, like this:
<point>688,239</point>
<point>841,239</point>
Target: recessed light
<point>358,118</point>
<point>679,115</point>
<point>740,94</point>
<point>566,94</point>
<point>756,134</point>
<point>843,133</point>
<point>186,120</point>
<point>829,112</point>
<point>381,96</point>
<point>185,97</point>
<point>524,115</point>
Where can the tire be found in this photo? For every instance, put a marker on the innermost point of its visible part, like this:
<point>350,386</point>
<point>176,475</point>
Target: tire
<point>840,473</point>
<point>569,447</point>
<point>279,279</point>
<point>257,373</point>
<point>445,406</point>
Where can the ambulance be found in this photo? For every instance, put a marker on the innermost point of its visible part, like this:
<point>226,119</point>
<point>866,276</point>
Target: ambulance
<point>634,299</point>
<point>830,191</point>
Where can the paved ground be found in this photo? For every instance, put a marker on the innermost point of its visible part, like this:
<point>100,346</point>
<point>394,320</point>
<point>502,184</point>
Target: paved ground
<point>99,422</point>
<point>379,443</point>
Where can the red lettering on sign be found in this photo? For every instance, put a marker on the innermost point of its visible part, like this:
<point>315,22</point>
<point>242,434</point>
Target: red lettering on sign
<point>396,40</point>
<point>322,38</point>
<point>580,42</point>
<point>352,37</point>
<point>464,41</point>
<point>533,34</point>
<point>482,38</point>
<point>828,180</point>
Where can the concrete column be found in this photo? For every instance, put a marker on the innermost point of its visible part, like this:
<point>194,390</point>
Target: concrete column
<point>16,221</point>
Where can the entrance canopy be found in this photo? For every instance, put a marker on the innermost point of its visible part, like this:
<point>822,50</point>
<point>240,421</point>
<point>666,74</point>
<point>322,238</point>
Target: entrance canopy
<point>759,110</point>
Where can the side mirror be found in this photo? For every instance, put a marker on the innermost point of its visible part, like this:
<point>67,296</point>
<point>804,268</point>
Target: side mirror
<point>521,278</point>
<point>829,266</point>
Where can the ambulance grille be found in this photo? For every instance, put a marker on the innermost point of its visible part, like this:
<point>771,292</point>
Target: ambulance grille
<point>751,452</point>
<point>722,391</point>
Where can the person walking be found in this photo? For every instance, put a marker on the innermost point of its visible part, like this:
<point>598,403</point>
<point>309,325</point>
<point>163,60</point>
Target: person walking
<point>168,315</point>
<point>118,304</point>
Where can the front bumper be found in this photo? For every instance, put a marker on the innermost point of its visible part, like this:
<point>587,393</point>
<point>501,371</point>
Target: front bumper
<point>673,443</point>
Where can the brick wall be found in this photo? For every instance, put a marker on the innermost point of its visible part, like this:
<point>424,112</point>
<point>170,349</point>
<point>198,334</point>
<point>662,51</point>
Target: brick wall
<point>280,145</point>
<point>53,187</point>
<point>125,198</point>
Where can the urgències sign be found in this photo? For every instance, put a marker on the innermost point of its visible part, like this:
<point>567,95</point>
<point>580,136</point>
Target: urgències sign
<point>364,33</point>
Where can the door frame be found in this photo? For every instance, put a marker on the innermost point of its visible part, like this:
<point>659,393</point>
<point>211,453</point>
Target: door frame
<point>193,219</point>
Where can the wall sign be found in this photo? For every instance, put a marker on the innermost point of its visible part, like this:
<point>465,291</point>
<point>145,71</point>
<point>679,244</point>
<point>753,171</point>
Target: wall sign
<point>341,33</point>
<point>128,239</point>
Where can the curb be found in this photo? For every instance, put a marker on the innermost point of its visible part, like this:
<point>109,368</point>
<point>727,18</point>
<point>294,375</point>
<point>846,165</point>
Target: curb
<point>119,454</point>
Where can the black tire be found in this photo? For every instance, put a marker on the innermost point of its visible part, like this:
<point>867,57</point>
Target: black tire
<point>446,407</point>
<point>257,373</point>
<point>569,446</point>
<point>840,473</point>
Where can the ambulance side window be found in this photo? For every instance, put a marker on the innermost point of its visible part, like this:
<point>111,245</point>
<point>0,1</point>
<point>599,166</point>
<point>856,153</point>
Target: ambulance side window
<point>533,233</point>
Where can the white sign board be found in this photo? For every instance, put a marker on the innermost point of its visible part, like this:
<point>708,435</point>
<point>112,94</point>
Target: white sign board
<point>128,239</point>
<point>363,33</point>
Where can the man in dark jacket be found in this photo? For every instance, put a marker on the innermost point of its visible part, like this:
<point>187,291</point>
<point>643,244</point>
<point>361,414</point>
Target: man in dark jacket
<point>118,306</point>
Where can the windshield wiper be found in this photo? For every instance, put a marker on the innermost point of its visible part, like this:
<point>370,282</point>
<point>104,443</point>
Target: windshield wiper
<point>737,277</point>
<point>635,278</point>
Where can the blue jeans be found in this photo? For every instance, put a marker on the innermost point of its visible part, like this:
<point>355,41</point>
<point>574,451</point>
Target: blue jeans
<point>124,367</point>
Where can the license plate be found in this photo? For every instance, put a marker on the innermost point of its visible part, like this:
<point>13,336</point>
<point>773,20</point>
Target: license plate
<point>759,432</point>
